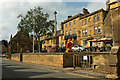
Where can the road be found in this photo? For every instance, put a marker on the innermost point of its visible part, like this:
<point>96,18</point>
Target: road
<point>14,69</point>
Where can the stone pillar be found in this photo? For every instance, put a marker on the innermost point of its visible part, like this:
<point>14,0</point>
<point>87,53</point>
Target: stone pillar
<point>55,32</point>
<point>55,23</point>
<point>115,16</point>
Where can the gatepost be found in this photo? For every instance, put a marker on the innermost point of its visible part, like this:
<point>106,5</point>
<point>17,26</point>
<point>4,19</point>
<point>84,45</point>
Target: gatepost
<point>115,51</point>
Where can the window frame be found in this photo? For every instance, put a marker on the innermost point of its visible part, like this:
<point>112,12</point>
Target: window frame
<point>86,32</point>
<point>98,29</point>
<point>83,32</point>
<point>69,23</point>
<point>95,30</point>
<point>70,32</point>
<point>98,17</point>
<point>66,25</point>
<point>74,21</point>
<point>85,21</point>
<point>66,33</point>
<point>74,30</point>
<point>94,18</point>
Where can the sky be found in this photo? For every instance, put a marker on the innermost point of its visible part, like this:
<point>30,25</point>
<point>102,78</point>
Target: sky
<point>10,9</point>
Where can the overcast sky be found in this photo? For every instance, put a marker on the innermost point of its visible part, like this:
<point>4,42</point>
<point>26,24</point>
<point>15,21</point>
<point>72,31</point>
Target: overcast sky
<point>10,9</point>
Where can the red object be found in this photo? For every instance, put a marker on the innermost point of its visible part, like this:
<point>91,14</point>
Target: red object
<point>69,43</point>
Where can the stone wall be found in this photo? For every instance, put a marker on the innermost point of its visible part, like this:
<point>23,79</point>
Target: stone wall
<point>101,61</point>
<point>15,57</point>
<point>105,62</point>
<point>44,59</point>
<point>50,59</point>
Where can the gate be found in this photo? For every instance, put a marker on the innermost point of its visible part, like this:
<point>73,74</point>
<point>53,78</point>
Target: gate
<point>82,61</point>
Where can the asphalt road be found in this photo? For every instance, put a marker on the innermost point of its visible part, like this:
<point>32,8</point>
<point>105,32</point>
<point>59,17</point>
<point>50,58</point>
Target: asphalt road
<point>14,69</point>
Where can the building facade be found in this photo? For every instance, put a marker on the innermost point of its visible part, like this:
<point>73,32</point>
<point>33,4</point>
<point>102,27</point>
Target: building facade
<point>20,43</point>
<point>85,28</point>
<point>49,40</point>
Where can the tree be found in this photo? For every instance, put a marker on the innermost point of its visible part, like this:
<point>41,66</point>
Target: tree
<point>3,46</point>
<point>39,19</point>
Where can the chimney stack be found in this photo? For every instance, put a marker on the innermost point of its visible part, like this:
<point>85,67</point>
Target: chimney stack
<point>107,6</point>
<point>85,11</point>
<point>69,17</point>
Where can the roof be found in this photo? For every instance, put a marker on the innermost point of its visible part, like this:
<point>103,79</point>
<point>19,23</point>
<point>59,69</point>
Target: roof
<point>21,37</point>
<point>93,13</point>
<point>51,33</point>
<point>73,17</point>
<point>82,16</point>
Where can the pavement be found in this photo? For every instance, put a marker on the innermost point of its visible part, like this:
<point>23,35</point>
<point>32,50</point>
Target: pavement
<point>85,72</point>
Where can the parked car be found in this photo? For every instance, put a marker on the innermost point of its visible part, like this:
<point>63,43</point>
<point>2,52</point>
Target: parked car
<point>78,48</point>
<point>3,55</point>
<point>63,49</point>
<point>55,49</point>
<point>44,50</point>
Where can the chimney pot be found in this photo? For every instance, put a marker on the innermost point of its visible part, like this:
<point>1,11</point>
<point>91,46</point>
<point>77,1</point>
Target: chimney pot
<point>69,17</point>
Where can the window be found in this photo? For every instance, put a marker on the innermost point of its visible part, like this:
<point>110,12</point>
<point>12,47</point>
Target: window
<point>74,21</point>
<point>85,32</point>
<point>66,25</point>
<point>61,44</point>
<point>61,38</point>
<point>89,19</point>
<point>61,31</point>
<point>98,29</point>
<point>70,24</point>
<point>79,33</point>
<point>94,18</point>
<point>95,30</point>
<point>70,32</point>
<point>66,33</point>
<point>82,22</point>
<point>85,21</point>
<point>84,42</point>
<point>98,17</point>
<point>74,30</point>
<point>97,43</point>
<point>47,41</point>
<point>51,40</point>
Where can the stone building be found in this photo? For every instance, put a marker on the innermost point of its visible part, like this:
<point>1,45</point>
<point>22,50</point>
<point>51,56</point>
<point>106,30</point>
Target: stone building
<point>20,43</point>
<point>85,29</point>
<point>48,40</point>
